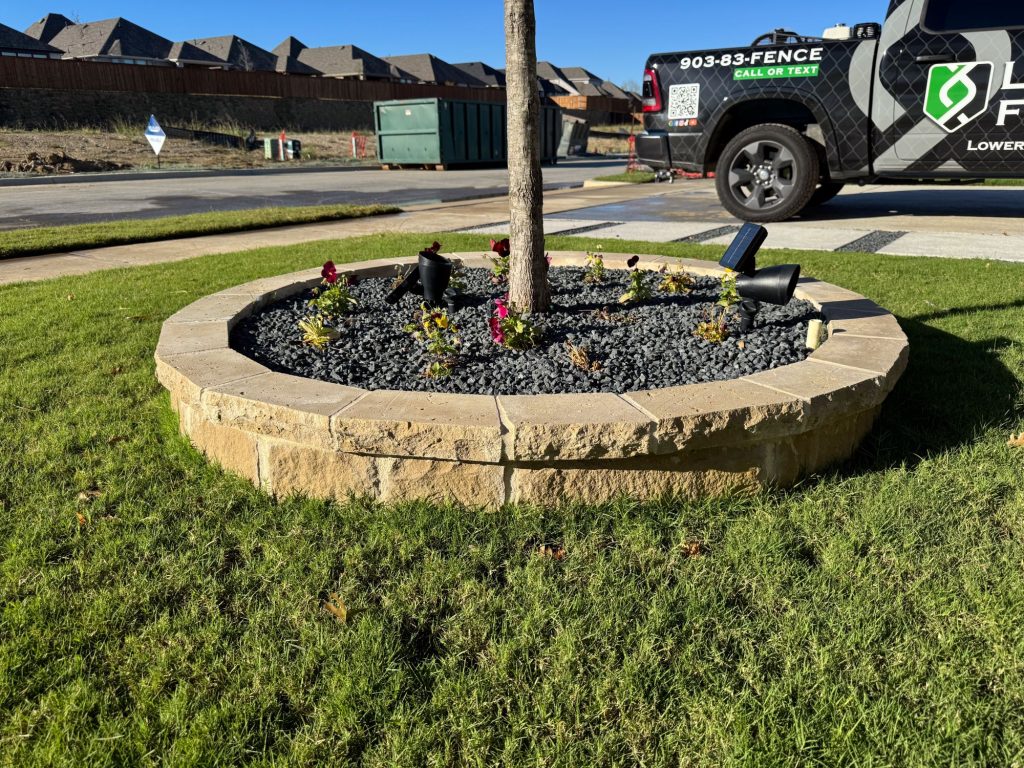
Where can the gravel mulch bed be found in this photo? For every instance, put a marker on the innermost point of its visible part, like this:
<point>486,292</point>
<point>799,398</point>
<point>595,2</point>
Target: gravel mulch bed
<point>648,346</point>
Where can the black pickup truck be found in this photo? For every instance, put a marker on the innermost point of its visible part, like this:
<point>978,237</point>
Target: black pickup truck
<point>937,91</point>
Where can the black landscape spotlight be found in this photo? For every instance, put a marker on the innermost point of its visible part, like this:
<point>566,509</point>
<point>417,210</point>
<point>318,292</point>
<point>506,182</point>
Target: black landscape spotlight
<point>772,285</point>
<point>429,278</point>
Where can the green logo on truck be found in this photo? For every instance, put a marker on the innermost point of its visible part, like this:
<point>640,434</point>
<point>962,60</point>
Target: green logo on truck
<point>957,93</point>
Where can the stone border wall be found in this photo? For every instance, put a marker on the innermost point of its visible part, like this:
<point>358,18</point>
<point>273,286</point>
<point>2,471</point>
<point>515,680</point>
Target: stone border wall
<point>293,435</point>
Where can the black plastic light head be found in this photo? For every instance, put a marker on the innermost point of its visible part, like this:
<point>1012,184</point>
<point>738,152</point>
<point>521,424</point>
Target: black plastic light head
<point>739,256</point>
<point>772,285</point>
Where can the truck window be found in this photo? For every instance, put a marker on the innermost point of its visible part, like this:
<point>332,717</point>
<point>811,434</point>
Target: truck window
<point>966,15</point>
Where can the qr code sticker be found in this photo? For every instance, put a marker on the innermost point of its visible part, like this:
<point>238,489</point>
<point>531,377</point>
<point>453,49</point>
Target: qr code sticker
<point>683,102</point>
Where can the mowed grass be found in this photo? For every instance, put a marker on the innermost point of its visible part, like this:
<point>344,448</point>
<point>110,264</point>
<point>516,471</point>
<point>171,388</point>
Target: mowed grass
<point>629,177</point>
<point>36,240</point>
<point>156,610</point>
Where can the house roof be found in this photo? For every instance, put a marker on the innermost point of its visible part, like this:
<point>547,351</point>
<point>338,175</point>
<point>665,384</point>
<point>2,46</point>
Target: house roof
<point>238,52</point>
<point>349,61</point>
<point>188,52</point>
<point>579,73</point>
<point>111,37</point>
<point>13,40</point>
<point>485,73</point>
<point>47,27</point>
<point>290,46</point>
<point>427,68</point>
<point>549,88</point>
<point>613,90</point>
<point>293,66</point>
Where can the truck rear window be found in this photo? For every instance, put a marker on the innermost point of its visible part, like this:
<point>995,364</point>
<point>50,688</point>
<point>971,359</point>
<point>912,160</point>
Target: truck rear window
<point>966,15</point>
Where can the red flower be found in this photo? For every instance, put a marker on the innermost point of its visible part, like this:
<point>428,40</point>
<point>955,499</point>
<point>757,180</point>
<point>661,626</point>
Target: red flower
<point>501,247</point>
<point>435,247</point>
<point>329,273</point>
<point>496,334</point>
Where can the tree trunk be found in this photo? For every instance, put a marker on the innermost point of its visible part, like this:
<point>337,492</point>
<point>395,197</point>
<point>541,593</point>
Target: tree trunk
<point>528,267</point>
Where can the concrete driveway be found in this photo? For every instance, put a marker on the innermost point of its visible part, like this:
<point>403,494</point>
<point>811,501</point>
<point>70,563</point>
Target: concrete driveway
<point>48,204</point>
<point>946,221</point>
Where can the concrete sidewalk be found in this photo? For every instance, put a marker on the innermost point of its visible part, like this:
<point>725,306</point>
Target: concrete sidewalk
<point>442,217</point>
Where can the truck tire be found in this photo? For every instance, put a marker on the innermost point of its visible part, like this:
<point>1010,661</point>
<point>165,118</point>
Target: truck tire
<point>767,173</point>
<point>824,193</point>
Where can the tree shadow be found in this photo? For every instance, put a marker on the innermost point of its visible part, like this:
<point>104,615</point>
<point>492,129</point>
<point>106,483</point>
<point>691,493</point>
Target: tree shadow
<point>952,391</point>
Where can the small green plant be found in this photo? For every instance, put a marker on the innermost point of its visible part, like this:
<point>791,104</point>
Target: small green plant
<point>499,270</point>
<point>440,337</point>
<point>511,329</point>
<point>639,290</point>
<point>715,327</point>
<point>580,357</point>
<point>316,332</point>
<point>729,297</point>
<point>334,299</point>
<point>675,281</point>
<point>595,269</point>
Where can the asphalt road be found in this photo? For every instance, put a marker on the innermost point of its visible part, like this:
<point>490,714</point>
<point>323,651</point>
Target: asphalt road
<point>80,202</point>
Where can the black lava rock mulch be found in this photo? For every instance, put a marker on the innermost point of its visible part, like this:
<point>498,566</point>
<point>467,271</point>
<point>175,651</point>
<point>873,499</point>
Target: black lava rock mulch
<point>646,346</point>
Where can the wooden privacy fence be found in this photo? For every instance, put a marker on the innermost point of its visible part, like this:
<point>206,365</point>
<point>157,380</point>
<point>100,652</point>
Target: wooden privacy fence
<point>99,76</point>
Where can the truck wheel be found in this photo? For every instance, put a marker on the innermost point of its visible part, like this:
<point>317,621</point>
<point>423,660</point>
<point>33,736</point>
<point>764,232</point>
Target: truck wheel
<point>824,193</point>
<point>767,173</point>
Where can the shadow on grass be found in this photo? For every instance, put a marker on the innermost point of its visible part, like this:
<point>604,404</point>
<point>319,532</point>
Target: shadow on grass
<point>952,391</point>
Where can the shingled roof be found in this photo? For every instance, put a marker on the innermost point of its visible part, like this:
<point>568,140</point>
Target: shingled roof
<point>111,37</point>
<point>47,27</point>
<point>181,52</point>
<point>237,52</point>
<point>13,41</point>
<point>485,73</point>
<point>345,61</point>
<point>427,68</point>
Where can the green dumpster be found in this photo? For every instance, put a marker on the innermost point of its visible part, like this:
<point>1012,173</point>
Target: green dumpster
<point>451,132</point>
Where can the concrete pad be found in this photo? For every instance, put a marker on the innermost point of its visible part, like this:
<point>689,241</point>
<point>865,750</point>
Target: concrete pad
<point>801,237</point>
<point>551,226</point>
<point>959,246</point>
<point>653,231</point>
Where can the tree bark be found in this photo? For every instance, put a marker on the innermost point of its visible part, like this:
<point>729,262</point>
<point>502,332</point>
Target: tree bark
<point>528,267</point>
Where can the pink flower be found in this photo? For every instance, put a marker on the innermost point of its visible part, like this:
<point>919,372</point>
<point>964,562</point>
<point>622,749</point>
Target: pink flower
<point>547,258</point>
<point>329,273</point>
<point>496,333</point>
<point>501,309</point>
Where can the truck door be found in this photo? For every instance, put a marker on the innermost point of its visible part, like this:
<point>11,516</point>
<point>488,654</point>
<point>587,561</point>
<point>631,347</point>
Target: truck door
<point>957,77</point>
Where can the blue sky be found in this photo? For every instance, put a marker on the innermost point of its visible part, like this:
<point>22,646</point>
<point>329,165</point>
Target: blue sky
<point>611,39</point>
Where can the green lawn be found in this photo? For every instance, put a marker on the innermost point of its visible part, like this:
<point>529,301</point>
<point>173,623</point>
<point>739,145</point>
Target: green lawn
<point>629,177</point>
<point>158,611</point>
<point>28,242</point>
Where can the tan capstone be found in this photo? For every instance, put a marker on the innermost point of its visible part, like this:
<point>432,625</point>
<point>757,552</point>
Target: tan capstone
<point>574,426</point>
<point>182,338</point>
<point>421,425</point>
<point>884,356</point>
<point>189,374</point>
<point>279,405</point>
<point>700,416</point>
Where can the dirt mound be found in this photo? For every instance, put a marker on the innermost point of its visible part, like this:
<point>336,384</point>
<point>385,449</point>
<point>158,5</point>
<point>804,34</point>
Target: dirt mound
<point>62,163</point>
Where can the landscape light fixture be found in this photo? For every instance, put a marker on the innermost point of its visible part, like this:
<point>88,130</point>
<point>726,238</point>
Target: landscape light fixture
<point>428,278</point>
<point>771,285</point>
